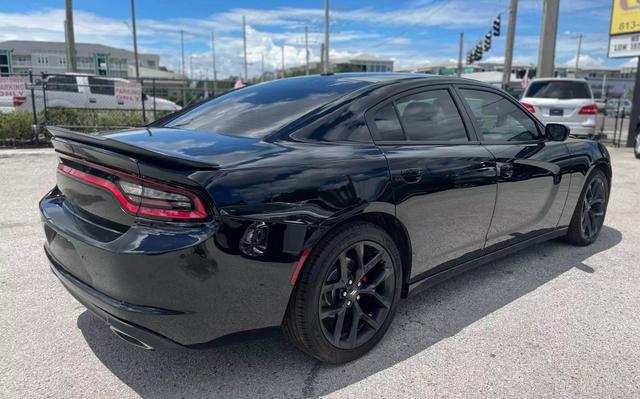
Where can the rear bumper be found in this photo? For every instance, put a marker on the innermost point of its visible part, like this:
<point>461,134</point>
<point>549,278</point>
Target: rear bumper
<point>168,287</point>
<point>91,299</point>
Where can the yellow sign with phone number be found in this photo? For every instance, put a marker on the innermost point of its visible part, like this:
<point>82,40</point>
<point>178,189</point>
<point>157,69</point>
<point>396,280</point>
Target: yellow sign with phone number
<point>625,17</point>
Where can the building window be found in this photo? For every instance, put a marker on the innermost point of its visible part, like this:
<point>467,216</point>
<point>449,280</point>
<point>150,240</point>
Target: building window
<point>5,63</point>
<point>101,64</point>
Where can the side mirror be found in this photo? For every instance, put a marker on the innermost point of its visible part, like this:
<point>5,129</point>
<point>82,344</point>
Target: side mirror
<point>556,132</point>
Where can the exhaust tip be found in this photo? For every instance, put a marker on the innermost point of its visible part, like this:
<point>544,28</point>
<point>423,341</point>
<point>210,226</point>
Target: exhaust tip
<point>130,339</point>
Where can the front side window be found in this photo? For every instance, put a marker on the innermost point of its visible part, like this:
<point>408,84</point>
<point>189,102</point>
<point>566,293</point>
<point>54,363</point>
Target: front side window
<point>431,116</point>
<point>498,118</point>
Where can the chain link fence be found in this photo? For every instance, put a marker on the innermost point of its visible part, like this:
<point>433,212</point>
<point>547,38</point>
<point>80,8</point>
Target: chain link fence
<point>28,103</point>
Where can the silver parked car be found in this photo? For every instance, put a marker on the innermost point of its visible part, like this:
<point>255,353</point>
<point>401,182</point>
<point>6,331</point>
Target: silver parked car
<point>566,101</point>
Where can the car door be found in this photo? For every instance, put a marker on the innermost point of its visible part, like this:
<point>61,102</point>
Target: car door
<point>533,173</point>
<point>444,181</point>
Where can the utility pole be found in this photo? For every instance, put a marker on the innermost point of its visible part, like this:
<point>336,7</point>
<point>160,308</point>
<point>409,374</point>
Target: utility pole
<point>460,50</point>
<point>283,71</point>
<point>135,39</point>
<point>182,71</point>
<point>548,33</point>
<point>213,60</point>
<point>511,34</point>
<point>70,38</point>
<point>578,55</point>
<point>325,64</point>
<point>306,48</point>
<point>244,39</point>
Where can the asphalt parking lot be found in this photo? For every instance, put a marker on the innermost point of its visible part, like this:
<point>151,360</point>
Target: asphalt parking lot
<point>551,321</point>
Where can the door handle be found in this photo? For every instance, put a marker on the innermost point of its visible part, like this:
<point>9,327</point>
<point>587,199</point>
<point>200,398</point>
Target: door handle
<point>92,100</point>
<point>411,175</point>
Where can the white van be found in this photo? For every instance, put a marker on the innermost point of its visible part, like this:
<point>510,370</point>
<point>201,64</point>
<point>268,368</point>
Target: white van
<point>93,92</point>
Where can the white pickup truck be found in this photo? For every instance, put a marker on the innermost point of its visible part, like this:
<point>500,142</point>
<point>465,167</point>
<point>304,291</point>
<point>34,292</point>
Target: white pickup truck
<point>87,91</point>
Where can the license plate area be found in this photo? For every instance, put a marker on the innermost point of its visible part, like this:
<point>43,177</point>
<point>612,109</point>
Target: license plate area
<point>556,112</point>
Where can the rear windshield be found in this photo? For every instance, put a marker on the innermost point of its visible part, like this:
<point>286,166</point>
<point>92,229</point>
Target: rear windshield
<point>559,89</point>
<point>256,111</point>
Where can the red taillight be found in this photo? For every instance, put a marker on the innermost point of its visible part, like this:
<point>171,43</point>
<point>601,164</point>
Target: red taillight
<point>18,101</point>
<point>529,107</point>
<point>590,109</point>
<point>143,197</point>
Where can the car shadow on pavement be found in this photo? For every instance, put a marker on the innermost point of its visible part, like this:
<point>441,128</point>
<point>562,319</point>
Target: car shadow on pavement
<point>271,367</point>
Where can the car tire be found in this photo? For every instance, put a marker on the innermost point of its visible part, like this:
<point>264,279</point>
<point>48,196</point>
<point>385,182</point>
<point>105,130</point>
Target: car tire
<point>333,286</point>
<point>636,148</point>
<point>588,216</point>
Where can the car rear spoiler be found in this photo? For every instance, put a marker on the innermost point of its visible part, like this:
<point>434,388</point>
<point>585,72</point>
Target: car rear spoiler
<point>62,135</point>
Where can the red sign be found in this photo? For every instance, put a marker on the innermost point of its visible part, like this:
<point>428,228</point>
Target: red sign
<point>128,93</point>
<point>12,86</point>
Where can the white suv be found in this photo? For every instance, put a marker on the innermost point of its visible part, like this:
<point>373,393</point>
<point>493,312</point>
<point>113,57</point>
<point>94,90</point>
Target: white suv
<point>566,101</point>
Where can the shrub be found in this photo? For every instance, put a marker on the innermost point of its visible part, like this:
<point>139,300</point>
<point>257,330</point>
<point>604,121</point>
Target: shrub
<point>16,126</point>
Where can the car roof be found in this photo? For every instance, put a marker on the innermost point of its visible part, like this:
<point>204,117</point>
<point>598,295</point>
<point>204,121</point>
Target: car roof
<point>368,78</point>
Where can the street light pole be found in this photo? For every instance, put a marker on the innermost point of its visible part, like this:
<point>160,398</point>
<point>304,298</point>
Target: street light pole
<point>511,33</point>
<point>182,71</point>
<point>579,49</point>
<point>69,37</point>
<point>283,72</point>
<point>325,65</point>
<point>244,39</point>
<point>306,48</point>
<point>548,33</point>
<point>460,50</point>
<point>213,60</point>
<point>135,39</point>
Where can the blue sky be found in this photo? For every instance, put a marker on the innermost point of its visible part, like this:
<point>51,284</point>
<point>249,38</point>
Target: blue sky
<point>413,32</point>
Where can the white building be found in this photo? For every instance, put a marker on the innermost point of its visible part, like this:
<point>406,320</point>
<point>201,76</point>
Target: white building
<point>20,56</point>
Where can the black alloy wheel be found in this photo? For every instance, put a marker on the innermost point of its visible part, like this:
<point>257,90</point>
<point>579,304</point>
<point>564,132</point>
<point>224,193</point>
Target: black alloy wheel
<point>346,294</point>
<point>593,208</point>
<point>588,217</point>
<point>356,294</point>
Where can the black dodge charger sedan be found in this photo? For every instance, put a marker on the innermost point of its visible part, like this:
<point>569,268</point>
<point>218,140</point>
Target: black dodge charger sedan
<point>313,203</point>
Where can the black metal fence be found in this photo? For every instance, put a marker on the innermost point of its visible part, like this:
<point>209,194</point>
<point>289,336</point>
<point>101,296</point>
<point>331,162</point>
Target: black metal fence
<point>28,103</point>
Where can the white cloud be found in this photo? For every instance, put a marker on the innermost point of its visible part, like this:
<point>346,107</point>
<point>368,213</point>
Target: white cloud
<point>586,61</point>
<point>355,30</point>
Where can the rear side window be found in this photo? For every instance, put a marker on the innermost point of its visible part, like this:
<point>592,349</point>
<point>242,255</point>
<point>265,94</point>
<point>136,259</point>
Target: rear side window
<point>101,86</point>
<point>62,83</point>
<point>499,119</point>
<point>387,124</point>
<point>431,116</point>
<point>259,110</point>
<point>563,89</point>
